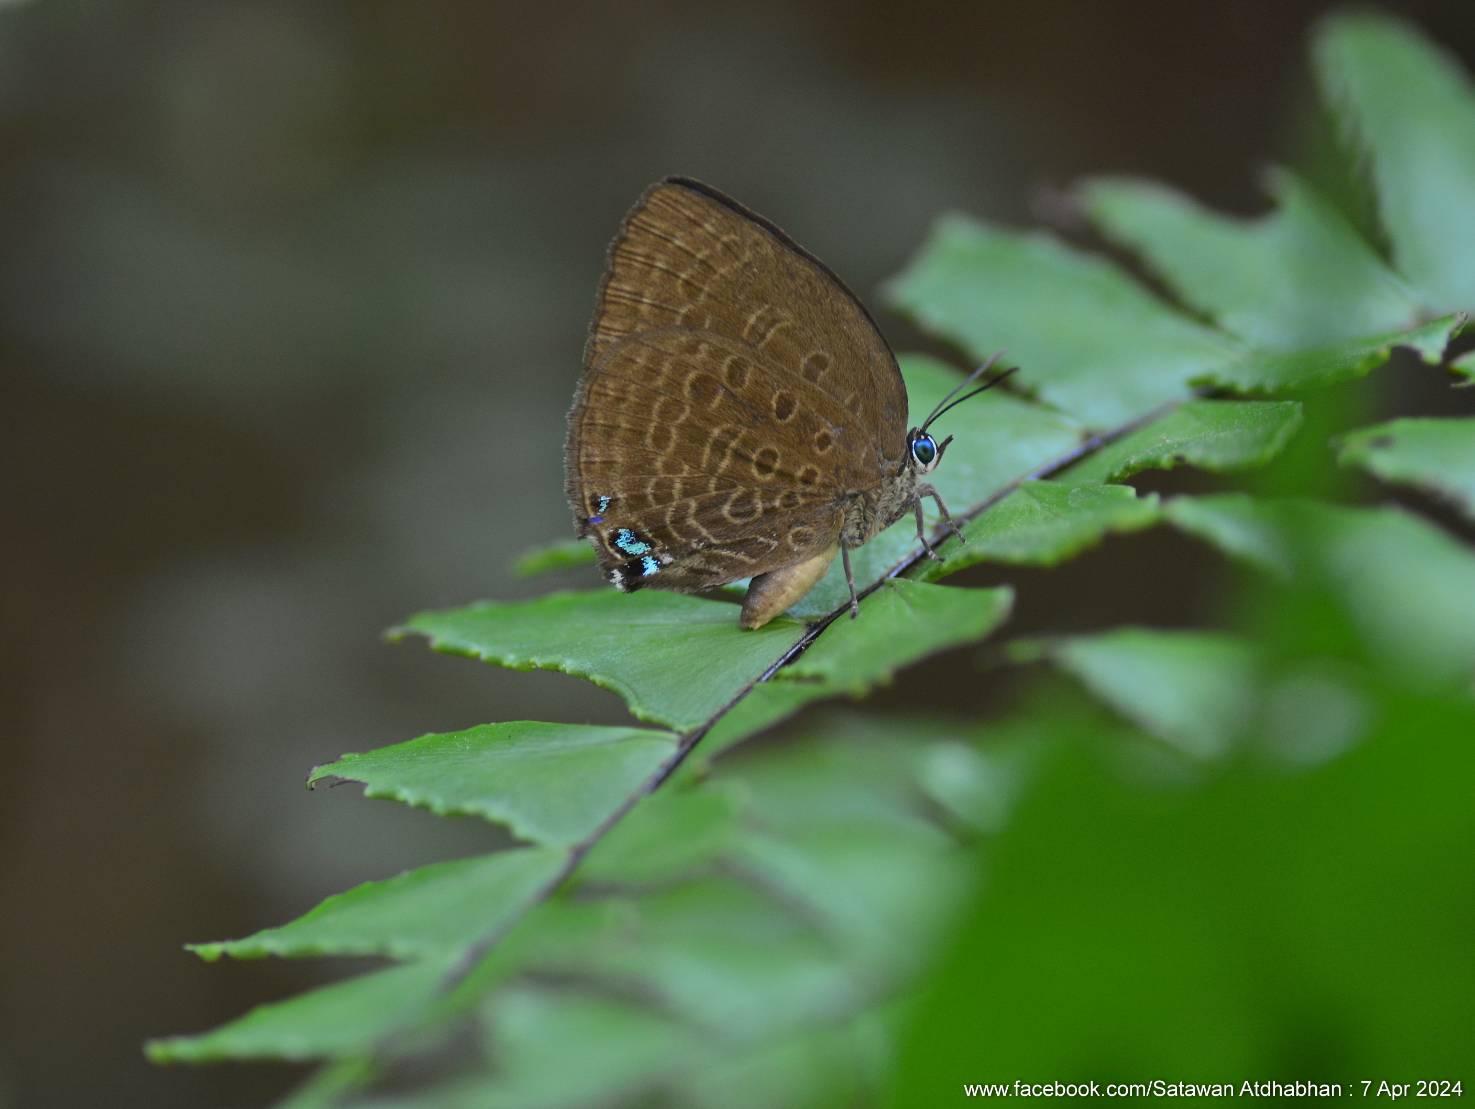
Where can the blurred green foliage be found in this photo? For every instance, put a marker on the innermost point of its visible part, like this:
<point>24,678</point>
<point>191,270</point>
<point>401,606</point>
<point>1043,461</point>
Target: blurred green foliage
<point>1266,922</point>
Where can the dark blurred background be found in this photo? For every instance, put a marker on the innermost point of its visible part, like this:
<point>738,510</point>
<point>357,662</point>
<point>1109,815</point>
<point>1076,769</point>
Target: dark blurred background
<point>292,299</point>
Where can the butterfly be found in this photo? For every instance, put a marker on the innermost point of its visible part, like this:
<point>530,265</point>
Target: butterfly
<point>739,414</point>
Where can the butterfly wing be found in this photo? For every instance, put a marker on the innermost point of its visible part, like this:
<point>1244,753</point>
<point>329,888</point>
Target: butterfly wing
<point>684,478</point>
<point>735,395</point>
<point>687,256</point>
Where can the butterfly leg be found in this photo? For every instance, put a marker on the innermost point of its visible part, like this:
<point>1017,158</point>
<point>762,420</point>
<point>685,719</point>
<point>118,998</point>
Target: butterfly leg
<point>850,581</point>
<point>947,517</point>
<point>922,529</point>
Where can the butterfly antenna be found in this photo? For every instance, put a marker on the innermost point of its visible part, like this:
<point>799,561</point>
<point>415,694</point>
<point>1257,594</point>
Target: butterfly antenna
<point>960,386</point>
<point>948,402</point>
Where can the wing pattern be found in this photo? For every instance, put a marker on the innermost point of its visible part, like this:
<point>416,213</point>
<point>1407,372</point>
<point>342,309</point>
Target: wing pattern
<point>735,395</point>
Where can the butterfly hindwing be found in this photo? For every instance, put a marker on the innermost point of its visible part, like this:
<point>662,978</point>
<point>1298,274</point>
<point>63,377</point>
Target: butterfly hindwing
<point>682,479</point>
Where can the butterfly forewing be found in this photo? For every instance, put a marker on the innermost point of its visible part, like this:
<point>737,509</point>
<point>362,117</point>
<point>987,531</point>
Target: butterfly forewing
<point>735,395</point>
<point>686,256</point>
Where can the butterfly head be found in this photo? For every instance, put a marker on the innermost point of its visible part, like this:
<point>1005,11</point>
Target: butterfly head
<point>923,451</point>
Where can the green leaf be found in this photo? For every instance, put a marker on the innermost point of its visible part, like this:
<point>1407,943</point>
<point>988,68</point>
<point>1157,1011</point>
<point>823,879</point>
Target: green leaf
<point>865,883</point>
<point>1464,365</point>
<point>1319,367</point>
<point>549,783</point>
<point>557,555</point>
<point>1215,435</point>
<point>850,770</point>
<point>1412,106</point>
<point>1299,277</point>
<point>675,659</point>
<point>834,1064</point>
<point>1195,690</point>
<point>621,1049</point>
<point>974,775</point>
<point>1043,523</point>
<point>768,704</point>
<point>326,1087</point>
<point>1097,346</point>
<point>721,952</point>
<point>436,910</point>
<point>1234,523</point>
<point>1437,456</point>
<point>1408,586</point>
<point>900,623</point>
<point>668,835</point>
<point>345,1017</point>
<point>1089,340</point>
<point>562,1049</point>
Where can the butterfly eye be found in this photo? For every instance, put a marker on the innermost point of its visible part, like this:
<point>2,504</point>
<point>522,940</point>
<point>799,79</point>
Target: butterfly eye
<point>924,450</point>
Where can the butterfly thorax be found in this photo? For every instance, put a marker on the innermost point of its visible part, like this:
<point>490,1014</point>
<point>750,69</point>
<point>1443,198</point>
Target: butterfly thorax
<point>871,512</point>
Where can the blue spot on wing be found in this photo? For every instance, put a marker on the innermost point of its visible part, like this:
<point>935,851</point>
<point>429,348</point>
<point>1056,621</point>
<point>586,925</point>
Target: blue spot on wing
<point>649,565</point>
<point>627,541</point>
<point>601,506</point>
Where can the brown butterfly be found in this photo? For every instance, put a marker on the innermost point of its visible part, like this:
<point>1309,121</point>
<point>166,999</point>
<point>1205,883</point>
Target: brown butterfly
<point>740,415</point>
